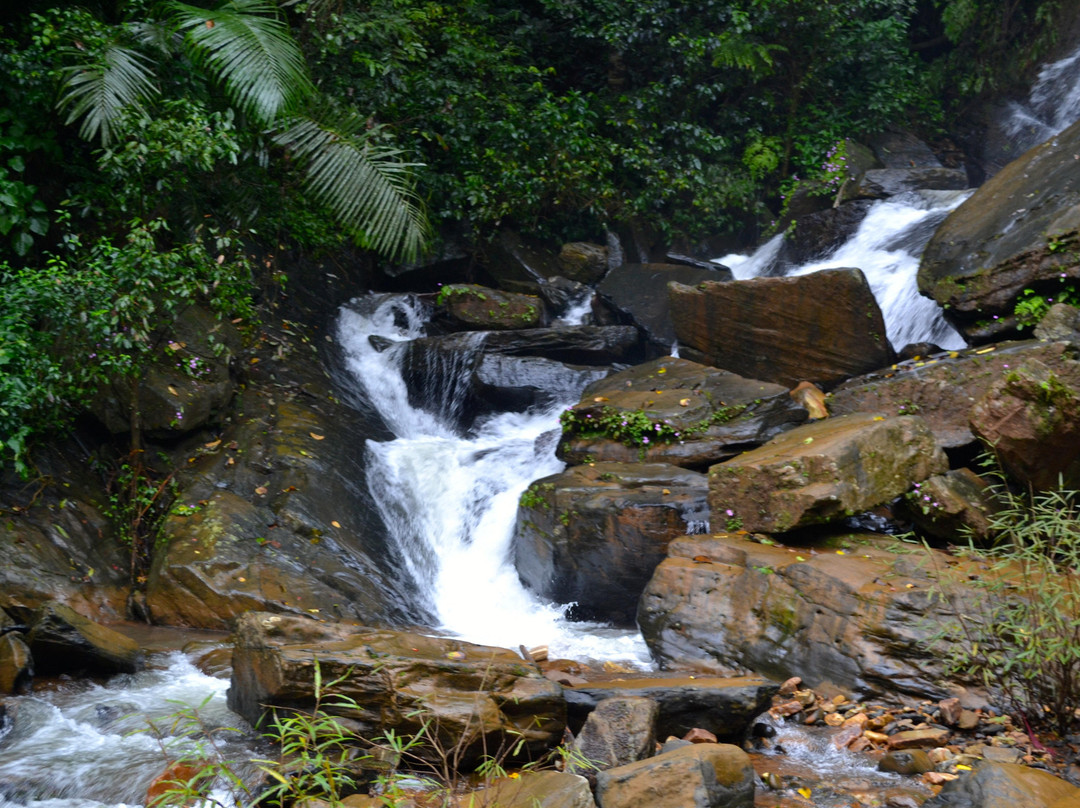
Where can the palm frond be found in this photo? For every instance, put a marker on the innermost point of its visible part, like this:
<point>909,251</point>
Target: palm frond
<point>367,186</point>
<point>247,47</point>
<point>99,92</point>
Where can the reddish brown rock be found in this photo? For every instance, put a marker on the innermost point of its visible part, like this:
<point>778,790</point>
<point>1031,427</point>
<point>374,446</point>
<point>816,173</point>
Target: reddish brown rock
<point>699,735</point>
<point>823,471</point>
<point>694,776</point>
<point>785,330</point>
<point>919,738</point>
<point>1031,420</point>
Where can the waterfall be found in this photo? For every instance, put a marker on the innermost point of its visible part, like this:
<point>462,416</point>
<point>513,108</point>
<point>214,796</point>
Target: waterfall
<point>1051,106</point>
<point>450,500</point>
<point>886,247</point>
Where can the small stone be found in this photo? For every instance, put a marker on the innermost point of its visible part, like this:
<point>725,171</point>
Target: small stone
<point>901,801</point>
<point>876,737</point>
<point>860,744</point>
<point>1002,754</point>
<point>969,719</point>
<point>937,778</point>
<point>919,738</point>
<point>839,699</point>
<point>813,717</point>
<point>699,735</point>
<point>845,737</point>
<point>950,711</point>
<point>789,687</point>
<point>805,697</point>
<point>857,720</point>
<point>772,780</point>
<point>940,755</point>
<point>786,708</point>
<point>906,761</point>
<point>834,719</point>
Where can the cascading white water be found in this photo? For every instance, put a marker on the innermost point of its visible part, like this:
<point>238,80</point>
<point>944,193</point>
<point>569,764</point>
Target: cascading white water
<point>886,247</point>
<point>1052,105</point>
<point>450,500</point>
<point>85,745</point>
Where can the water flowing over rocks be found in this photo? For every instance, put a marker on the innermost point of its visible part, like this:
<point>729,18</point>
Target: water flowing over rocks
<point>704,414</point>
<point>475,697</point>
<point>593,534</point>
<point>1017,231</point>
<point>785,330</point>
<point>854,613</point>
<point>824,471</point>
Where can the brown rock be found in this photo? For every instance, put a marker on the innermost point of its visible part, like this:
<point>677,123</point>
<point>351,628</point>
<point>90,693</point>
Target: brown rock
<point>536,790</point>
<point>620,730</point>
<point>906,761</point>
<point>694,776</point>
<point>699,735</point>
<point>918,739</point>
<point>480,308</point>
<point>957,503</point>
<point>824,471</point>
<point>969,719</point>
<point>950,711</point>
<point>583,262</point>
<point>834,720</point>
<point>1031,421</point>
<point>846,736</point>
<point>16,664</point>
<point>857,720</point>
<point>787,708</point>
<point>789,687</point>
<point>1007,785</point>
<point>785,330</point>
<point>63,641</point>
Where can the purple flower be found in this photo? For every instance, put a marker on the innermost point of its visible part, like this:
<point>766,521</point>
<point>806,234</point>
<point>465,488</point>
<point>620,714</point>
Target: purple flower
<point>644,439</point>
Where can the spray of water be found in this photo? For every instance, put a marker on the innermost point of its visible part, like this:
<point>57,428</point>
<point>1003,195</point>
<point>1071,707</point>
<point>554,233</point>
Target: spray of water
<point>1052,105</point>
<point>450,500</point>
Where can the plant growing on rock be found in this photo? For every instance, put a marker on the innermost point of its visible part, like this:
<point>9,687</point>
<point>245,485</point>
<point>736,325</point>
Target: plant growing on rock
<point>1019,634</point>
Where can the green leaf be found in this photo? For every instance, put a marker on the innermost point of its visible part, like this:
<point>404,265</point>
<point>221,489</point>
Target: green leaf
<point>245,45</point>
<point>16,163</point>
<point>100,91</point>
<point>23,242</point>
<point>367,186</point>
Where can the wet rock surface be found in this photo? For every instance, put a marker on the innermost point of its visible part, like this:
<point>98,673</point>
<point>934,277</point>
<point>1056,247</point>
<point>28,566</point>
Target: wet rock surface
<point>784,330</point>
<point>593,534</point>
<point>695,776</point>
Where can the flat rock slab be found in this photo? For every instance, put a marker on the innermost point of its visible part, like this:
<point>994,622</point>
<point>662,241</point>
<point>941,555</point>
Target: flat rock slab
<point>725,706</point>
<point>537,790</point>
<point>851,612</point>
<point>475,697</point>
<point>593,534</point>
<point>823,471</point>
<point>943,387</point>
<point>785,330</point>
<point>63,641</point>
<point>695,415</point>
<point>706,775</point>
<point>480,308</point>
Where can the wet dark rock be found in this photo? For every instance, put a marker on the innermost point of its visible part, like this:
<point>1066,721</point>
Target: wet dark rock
<point>560,293</point>
<point>516,383</point>
<point>716,414</point>
<point>958,503</point>
<point>724,706</point>
<point>583,262</point>
<point>818,234</point>
<point>62,641</point>
<point>784,330</point>
<point>621,730</point>
<point>1018,231</point>
<point>900,148</point>
<point>886,182</point>
<point>1006,785</point>
<point>593,534</point>
<point>1060,323</point>
<point>638,293</point>
<point>694,776</point>
<point>520,263</point>
<point>690,261</point>
<point>475,697</point>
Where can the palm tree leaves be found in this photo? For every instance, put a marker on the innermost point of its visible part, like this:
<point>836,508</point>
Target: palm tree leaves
<point>248,49</point>
<point>100,91</point>
<point>366,186</point>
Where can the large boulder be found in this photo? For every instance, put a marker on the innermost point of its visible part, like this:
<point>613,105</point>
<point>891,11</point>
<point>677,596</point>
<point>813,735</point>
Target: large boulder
<point>592,534</point>
<point>520,263</point>
<point>725,707</point>
<point>675,411</point>
<point>620,730</point>
<point>1030,419</point>
<point>785,330</point>
<point>638,292</point>
<point>63,641</point>
<point>885,182</point>
<point>479,308</point>
<point>850,612</point>
<point>535,789</point>
<point>703,775</point>
<point>471,698</point>
<point>823,471</point>
<point>1006,785</point>
<point>1018,231</point>
<point>943,387</point>
<point>954,506</point>
<point>275,513</point>
<point>583,262</point>
<point>16,664</point>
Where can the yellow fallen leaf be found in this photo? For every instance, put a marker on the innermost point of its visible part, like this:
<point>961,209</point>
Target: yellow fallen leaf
<point>336,524</point>
<point>800,558</point>
<point>261,490</point>
<point>666,491</point>
<point>313,611</point>
<point>684,402</point>
<point>841,552</point>
<point>662,370</point>
<point>954,354</point>
<point>175,346</point>
<point>242,580</point>
<point>962,767</point>
<point>213,444</point>
<point>879,417</point>
<point>254,360</point>
<point>229,462</point>
<point>600,399</point>
<point>985,350</point>
<point>808,440</point>
<point>317,437</point>
<point>804,792</point>
<point>173,390</point>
